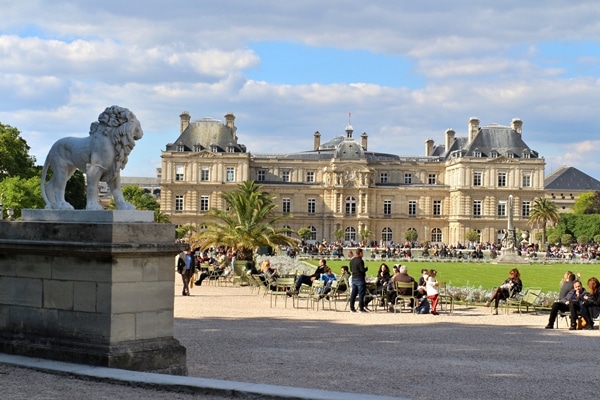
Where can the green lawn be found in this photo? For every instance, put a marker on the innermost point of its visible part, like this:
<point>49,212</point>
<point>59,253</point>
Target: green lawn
<point>462,274</point>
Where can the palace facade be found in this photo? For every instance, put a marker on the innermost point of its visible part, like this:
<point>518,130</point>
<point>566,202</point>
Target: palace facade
<point>340,186</point>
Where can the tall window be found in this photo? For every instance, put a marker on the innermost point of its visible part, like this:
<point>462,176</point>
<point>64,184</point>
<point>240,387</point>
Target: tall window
<point>501,179</point>
<point>288,231</point>
<point>412,208</point>
<point>437,207</point>
<point>204,174</point>
<point>383,177</point>
<point>310,176</point>
<point>525,208</point>
<point>502,208</point>
<point>387,207</point>
<point>180,173</point>
<point>477,208</point>
<point>312,206</point>
<point>436,235</point>
<point>407,179</point>
<point>527,180</point>
<point>386,235</point>
<point>431,179</point>
<point>477,178</point>
<point>285,176</point>
<point>178,203</point>
<point>203,203</point>
<point>286,205</point>
<point>313,233</point>
<point>350,234</point>
<point>260,175</point>
<point>230,174</point>
<point>350,205</point>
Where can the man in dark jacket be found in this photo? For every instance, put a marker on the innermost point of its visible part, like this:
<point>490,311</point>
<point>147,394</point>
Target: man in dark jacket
<point>565,301</point>
<point>309,279</point>
<point>359,284</point>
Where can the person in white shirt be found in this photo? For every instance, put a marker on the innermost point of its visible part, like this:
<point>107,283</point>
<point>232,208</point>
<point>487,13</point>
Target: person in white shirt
<point>432,290</point>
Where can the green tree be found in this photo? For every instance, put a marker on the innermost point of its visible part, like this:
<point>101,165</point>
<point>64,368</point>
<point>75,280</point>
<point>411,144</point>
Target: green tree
<point>582,203</point>
<point>185,232</point>
<point>142,201</point>
<point>411,235</point>
<point>247,223</point>
<point>339,234</point>
<point>15,160</point>
<point>75,191</point>
<point>472,236</point>
<point>365,234</point>
<point>18,193</point>
<point>543,211</point>
<point>304,233</point>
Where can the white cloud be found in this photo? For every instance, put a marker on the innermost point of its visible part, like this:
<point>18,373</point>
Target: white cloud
<point>62,62</point>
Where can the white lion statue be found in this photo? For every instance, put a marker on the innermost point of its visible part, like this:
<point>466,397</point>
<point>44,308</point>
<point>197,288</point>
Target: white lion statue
<point>102,155</point>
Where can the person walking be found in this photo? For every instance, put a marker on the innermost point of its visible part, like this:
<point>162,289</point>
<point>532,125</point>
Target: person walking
<point>188,271</point>
<point>359,284</point>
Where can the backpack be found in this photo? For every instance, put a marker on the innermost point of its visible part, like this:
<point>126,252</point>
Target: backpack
<point>180,265</point>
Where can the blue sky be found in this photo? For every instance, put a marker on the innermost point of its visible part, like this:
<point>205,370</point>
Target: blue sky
<point>406,71</point>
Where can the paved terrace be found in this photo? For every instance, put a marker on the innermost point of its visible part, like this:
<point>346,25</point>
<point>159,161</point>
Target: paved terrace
<point>238,346</point>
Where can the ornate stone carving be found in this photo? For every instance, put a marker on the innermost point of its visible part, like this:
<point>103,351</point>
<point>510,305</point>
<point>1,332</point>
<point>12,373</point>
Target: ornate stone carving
<point>101,155</point>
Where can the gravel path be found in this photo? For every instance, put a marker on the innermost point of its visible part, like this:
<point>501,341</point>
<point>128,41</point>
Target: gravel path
<point>232,334</point>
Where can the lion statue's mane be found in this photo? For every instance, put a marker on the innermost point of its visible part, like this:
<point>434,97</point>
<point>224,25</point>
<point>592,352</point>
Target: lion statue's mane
<point>101,155</point>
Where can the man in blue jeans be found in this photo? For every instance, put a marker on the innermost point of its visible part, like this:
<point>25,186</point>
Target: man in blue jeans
<point>359,284</point>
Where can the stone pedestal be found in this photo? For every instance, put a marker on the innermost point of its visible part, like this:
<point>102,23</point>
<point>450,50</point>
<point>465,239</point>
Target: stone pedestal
<point>98,293</point>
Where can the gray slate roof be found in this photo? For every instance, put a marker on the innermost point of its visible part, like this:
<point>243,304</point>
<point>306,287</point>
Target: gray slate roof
<point>570,178</point>
<point>492,138</point>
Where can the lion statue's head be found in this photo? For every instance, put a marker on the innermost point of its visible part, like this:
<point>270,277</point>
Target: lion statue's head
<point>123,128</point>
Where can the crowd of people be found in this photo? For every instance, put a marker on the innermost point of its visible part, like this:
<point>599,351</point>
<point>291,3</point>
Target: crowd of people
<point>582,305</point>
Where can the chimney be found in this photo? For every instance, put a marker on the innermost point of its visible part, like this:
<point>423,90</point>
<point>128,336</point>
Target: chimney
<point>449,139</point>
<point>184,119</point>
<point>363,140</point>
<point>517,125</point>
<point>428,147</point>
<point>473,128</point>
<point>230,120</point>
<point>317,141</point>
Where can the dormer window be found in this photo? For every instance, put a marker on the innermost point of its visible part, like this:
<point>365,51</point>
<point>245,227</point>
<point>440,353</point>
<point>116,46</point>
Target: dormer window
<point>231,148</point>
<point>214,148</point>
<point>510,154</point>
<point>493,154</point>
<point>197,148</point>
<point>526,154</point>
<point>477,154</point>
<point>180,148</point>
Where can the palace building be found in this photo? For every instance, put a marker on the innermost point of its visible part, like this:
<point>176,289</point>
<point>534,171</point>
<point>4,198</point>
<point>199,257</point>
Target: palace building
<point>342,186</point>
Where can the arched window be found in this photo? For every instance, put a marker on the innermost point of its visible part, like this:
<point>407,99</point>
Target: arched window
<point>386,235</point>
<point>313,233</point>
<point>436,235</point>
<point>350,205</point>
<point>350,234</point>
<point>289,233</point>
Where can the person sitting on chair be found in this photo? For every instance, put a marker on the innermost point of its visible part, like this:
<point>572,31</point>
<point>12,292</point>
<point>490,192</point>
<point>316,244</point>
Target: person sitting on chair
<point>309,279</point>
<point>589,307</point>
<point>383,278</point>
<point>327,277</point>
<point>565,302</point>
<point>511,286</point>
<point>400,276</point>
